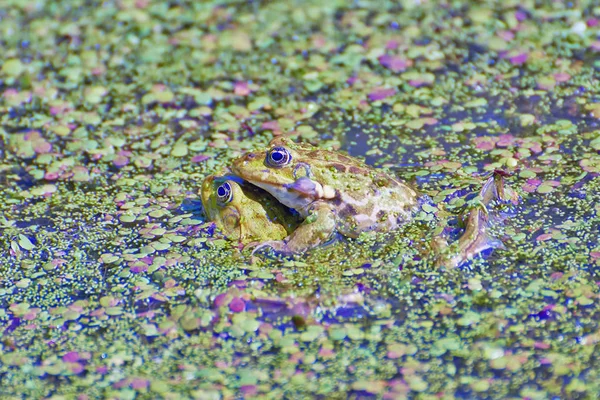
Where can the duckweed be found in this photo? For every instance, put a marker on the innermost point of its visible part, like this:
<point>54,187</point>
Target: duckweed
<point>113,284</point>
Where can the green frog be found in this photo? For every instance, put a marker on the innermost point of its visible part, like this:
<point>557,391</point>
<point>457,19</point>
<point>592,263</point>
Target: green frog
<point>245,213</point>
<point>331,191</point>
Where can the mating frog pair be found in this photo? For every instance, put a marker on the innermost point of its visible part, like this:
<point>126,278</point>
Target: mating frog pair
<point>328,192</point>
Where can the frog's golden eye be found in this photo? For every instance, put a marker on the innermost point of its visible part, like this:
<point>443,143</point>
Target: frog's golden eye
<point>278,157</point>
<point>224,193</point>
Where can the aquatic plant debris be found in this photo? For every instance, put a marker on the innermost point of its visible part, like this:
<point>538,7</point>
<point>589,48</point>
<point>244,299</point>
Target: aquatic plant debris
<point>113,284</point>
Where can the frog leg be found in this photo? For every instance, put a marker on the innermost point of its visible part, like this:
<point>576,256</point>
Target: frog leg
<point>473,241</point>
<point>476,238</point>
<point>317,228</point>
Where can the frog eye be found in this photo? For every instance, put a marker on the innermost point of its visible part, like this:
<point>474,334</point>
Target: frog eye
<point>278,157</point>
<point>224,193</point>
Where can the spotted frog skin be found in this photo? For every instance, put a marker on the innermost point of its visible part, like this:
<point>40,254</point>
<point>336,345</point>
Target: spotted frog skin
<point>332,192</point>
<point>245,213</point>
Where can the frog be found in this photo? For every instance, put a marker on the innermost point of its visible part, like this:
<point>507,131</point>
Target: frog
<point>332,192</point>
<point>244,212</point>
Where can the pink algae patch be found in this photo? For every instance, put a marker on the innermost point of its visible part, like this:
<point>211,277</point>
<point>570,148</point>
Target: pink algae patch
<point>121,384</point>
<point>418,82</point>
<point>103,369</point>
<point>534,147</point>
<point>381,93</point>
<point>249,390</point>
<point>199,158</point>
<point>484,143</point>
<point>519,59</point>
<point>60,109</point>
<point>520,16</point>
<point>71,357</point>
<point>10,92</point>
<point>31,315</point>
<point>326,353</point>
<point>531,185</point>
<point>241,88</point>
<point>562,77</point>
<point>220,300</point>
<point>394,63</point>
<point>16,97</point>
<point>42,147</point>
<point>38,143</point>
<point>237,305</point>
<point>556,275</point>
<point>544,237</point>
<point>392,44</point>
<point>271,126</point>
<point>505,140</point>
<point>138,268</point>
<point>506,35</point>
<point>121,161</point>
<point>393,355</point>
<point>139,383</point>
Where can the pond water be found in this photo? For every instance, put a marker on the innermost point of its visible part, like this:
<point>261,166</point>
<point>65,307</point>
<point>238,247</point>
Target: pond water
<point>114,285</point>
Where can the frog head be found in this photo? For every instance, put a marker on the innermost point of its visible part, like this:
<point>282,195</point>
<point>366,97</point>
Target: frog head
<point>223,202</point>
<point>295,174</point>
<point>243,212</point>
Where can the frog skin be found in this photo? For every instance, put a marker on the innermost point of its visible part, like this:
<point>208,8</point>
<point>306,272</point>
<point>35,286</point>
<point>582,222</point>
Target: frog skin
<point>245,213</point>
<point>332,192</point>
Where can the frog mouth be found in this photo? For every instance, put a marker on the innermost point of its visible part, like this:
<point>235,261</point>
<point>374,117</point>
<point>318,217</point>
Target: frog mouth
<point>298,194</point>
<point>306,187</point>
<point>285,194</point>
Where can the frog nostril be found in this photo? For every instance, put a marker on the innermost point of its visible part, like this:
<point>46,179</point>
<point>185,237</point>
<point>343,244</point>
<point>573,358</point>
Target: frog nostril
<point>250,156</point>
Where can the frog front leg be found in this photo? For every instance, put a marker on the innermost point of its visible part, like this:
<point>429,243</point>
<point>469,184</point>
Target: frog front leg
<point>316,229</point>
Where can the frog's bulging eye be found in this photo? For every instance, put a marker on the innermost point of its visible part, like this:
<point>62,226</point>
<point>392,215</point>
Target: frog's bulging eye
<point>278,157</point>
<point>224,193</point>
